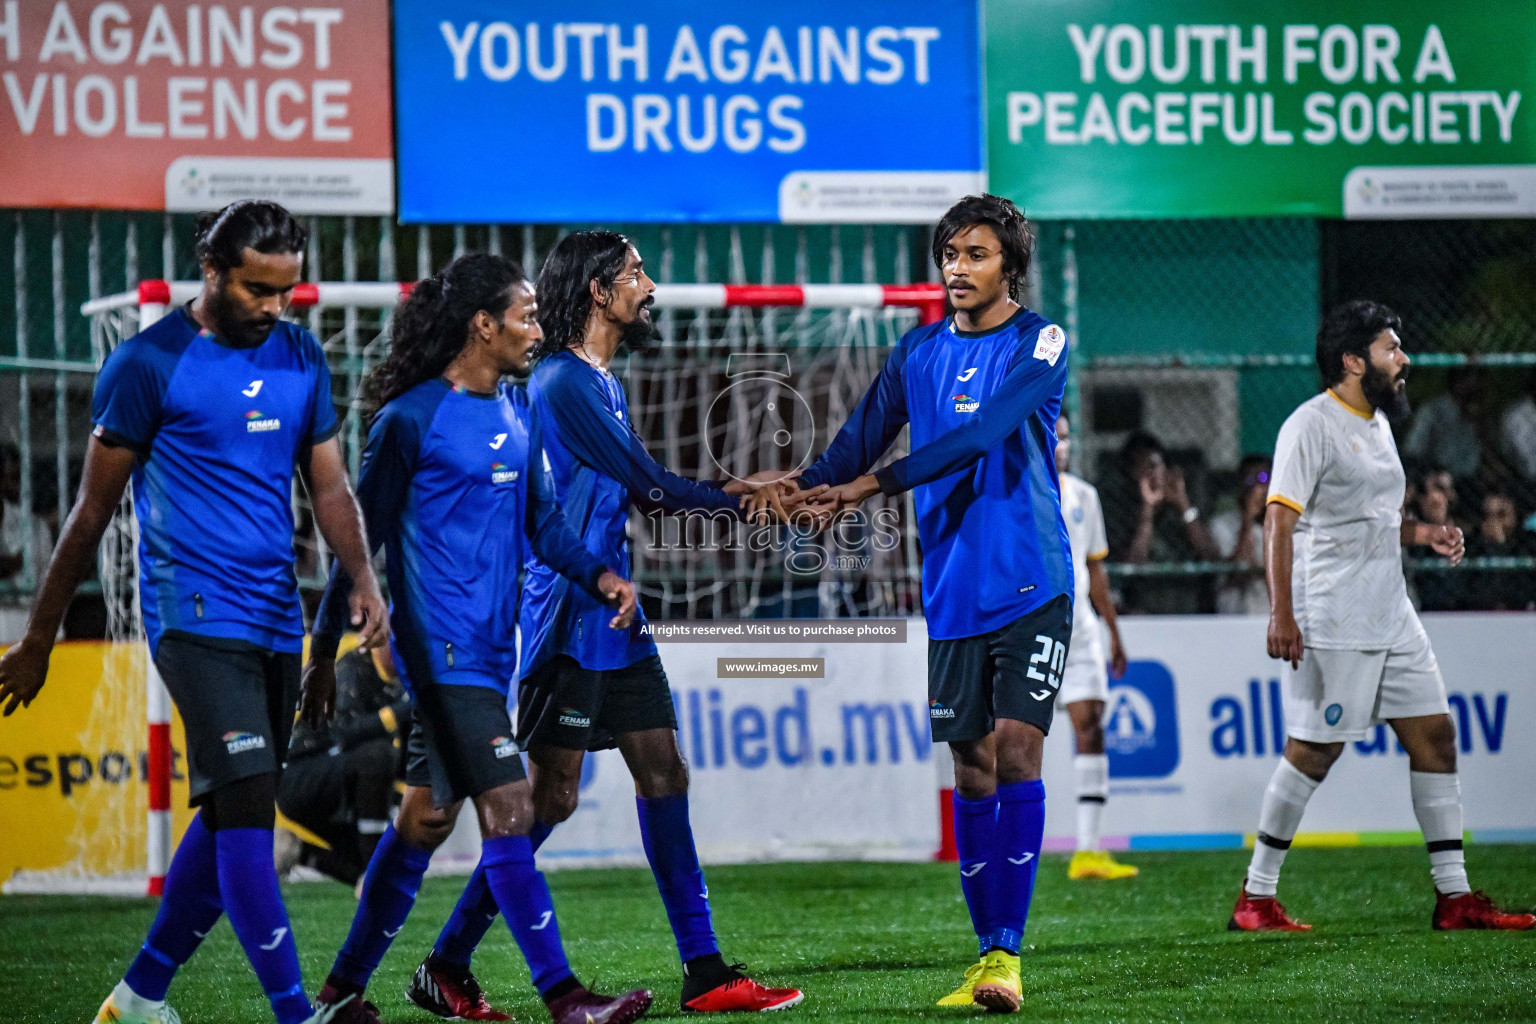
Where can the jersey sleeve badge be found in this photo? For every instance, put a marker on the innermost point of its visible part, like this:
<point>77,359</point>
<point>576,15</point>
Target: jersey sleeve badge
<point>1049,343</point>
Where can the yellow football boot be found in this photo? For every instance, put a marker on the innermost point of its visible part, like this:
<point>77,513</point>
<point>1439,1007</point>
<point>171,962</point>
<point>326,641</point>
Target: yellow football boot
<point>997,986</point>
<point>962,995</point>
<point>1098,864</point>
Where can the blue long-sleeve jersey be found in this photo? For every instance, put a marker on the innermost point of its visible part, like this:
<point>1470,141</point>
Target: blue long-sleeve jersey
<point>599,466</point>
<point>982,406</point>
<point>448,488</point>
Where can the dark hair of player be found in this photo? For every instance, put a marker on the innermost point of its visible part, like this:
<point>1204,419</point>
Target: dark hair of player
<point>1349,330</point>
<point>1005,219</point>
<point>223,235</point>
<point>431,325</point>
<point>565,284</point>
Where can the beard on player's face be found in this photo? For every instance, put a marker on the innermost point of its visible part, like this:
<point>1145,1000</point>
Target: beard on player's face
<point>1386,390</point>
<point>232,320</point>
<point>639,332</point>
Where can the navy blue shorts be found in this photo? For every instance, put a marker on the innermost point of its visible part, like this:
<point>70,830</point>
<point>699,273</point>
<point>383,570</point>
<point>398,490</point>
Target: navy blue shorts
<point>1012,672</point>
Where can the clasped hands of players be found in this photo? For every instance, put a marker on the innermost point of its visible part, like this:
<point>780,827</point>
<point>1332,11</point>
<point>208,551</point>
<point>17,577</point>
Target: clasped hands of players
<point>1284,640</point>
<point>773,495</point>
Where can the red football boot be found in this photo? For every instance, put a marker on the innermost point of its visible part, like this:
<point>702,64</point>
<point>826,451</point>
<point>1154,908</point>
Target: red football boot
<point>737,993</point>
<point>1262,914</point>
<point>450,994</point>
<point>1476,910</point>
<point>344,1009</point>
<point>583,1006</point>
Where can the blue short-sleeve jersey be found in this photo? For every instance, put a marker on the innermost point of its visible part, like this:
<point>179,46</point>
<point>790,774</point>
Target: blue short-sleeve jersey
<point>218,431</point>
<point>448,489</point>
<point>599,466</point>
<point>982,407</point>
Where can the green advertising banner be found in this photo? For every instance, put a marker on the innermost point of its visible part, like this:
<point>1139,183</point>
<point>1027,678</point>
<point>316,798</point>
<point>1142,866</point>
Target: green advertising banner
<point>1220,108</point>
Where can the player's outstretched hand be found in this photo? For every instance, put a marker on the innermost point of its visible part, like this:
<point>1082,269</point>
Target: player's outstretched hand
<point>370,617</point>
<point>317,693</point>
<point>621,594</point>
<point>1448,541</point>
<point>23,670</point>
<point>1284,640</point>
<point>833,500</point>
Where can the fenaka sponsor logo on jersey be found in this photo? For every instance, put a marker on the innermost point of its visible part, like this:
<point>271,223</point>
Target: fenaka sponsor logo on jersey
<point>937,710</point>
<point>240,742</point>
<point>965,403</point>
<point>503,747</point>
<point>1049,343</point>
<point>573,717</point>
<point>500,474</point>
<point>258,422</point>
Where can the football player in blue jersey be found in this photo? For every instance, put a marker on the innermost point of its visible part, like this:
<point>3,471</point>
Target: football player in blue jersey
<point>454,488</point>
<point>585,687</point>
<point>210,411</point>
<point>981,391</point>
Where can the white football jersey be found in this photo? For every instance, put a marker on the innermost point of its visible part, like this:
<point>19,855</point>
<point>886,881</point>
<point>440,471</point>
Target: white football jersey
<point>1339,468</point>
<point>1084,516</point>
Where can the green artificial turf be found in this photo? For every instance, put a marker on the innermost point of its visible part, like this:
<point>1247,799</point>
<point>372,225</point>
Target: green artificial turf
<point>881,942</point>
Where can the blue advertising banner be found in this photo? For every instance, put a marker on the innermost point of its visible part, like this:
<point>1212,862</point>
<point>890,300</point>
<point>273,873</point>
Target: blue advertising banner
<point>686,110</point>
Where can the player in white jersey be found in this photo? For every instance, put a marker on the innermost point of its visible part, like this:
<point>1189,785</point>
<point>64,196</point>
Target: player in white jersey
<point>1085,683</point>
<point>1340,615</point>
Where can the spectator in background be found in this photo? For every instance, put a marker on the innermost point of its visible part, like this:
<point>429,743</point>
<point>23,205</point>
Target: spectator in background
<point>1239,535</point>
<point>1439,590</point>
<point>1152,520</point>
<point>1517,431</point>
<point>1499,536</point>
<point>17,522</point>
<point>1446,431</point>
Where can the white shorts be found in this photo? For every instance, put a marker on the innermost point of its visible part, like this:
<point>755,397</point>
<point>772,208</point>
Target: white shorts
<point>1337,696</point>
<point>1086,677</point>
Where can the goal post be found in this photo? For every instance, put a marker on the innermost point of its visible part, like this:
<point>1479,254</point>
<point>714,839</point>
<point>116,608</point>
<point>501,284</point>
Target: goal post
<point>118,316</point>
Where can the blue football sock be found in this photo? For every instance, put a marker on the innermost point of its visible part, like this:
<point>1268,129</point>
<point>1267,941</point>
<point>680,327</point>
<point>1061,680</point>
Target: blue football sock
<point>389,891</point>
<point>476,910</point>
<point>471,918</point>
<point>248,889</point>
<point>1020,832</point>
<point>189,908</point>
<point>523,897</point>
<point>668,840</point>
<point>976,841</point>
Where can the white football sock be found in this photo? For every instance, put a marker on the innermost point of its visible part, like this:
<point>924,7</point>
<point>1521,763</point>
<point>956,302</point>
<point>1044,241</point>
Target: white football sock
<point>1092,772</point>
<point>1285,800</point>
<point>1437,805</point>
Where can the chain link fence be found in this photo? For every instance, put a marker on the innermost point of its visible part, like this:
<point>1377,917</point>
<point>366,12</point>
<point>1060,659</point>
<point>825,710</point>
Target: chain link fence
<point>1193,340</point>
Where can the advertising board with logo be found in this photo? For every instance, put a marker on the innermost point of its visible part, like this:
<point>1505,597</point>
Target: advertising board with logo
<point>1194,728</point>
<point>686,111</point>
<point>1210,108</point>
<point>130,104</point>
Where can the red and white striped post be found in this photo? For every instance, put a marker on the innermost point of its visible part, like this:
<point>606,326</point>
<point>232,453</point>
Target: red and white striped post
<point>155,298</point>
<point>154,301</point>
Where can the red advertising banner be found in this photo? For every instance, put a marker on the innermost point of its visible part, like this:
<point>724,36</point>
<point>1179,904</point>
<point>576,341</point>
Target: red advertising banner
<point>131,104</point>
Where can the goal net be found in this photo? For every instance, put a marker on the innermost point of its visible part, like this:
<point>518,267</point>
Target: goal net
<point>741,378</point>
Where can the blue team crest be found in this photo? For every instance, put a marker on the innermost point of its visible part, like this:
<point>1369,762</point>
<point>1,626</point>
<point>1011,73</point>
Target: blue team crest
<point>1141,723</point>
<point>1332,713</point>
<point>1077,515</point>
